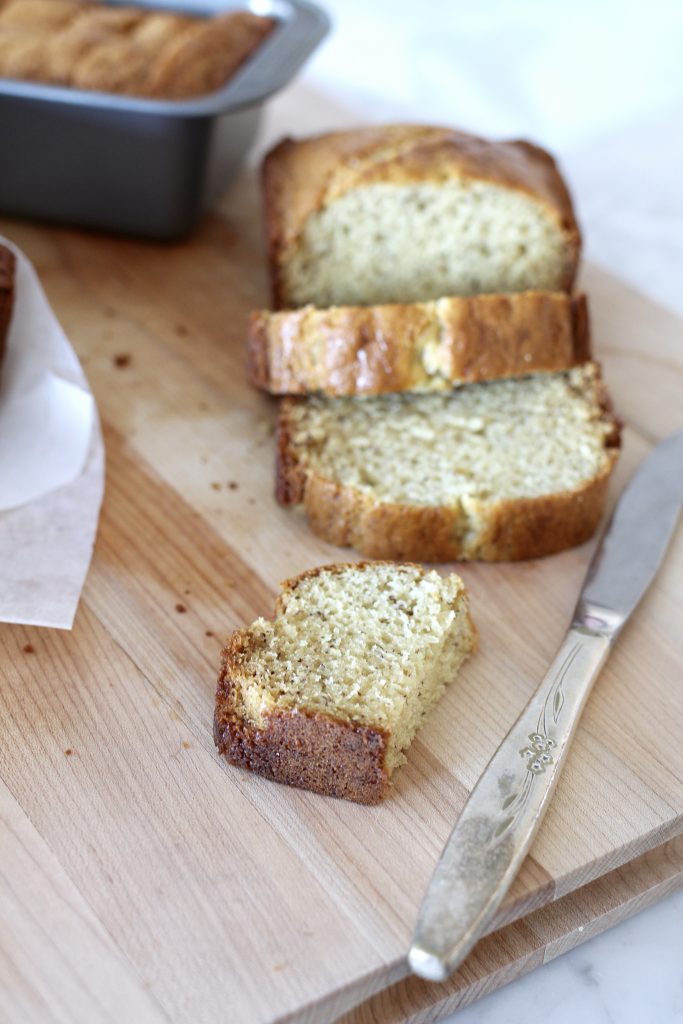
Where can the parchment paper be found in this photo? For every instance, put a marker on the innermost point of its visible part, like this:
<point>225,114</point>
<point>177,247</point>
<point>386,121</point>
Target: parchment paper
<point>51,464</point>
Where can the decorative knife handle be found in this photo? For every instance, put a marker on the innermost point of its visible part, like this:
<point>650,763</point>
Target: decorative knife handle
<point>500,819</point>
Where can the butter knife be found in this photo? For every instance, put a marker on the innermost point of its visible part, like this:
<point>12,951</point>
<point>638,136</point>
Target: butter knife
<point>501,817</point>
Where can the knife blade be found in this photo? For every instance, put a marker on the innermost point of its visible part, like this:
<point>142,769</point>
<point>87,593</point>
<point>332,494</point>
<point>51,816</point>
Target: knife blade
<point>634,543</point>
<point>504,810</point>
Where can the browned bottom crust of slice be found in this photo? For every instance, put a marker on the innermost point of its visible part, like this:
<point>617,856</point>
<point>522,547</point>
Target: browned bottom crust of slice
<point>373,350</point>
<point>7,269</point>
<point>310,751</point>
<point>512,531</point>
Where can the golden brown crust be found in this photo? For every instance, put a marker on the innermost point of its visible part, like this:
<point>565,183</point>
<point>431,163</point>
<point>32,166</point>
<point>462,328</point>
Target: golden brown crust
<point>511,530</point>
<point>514,530</point>
<point>312,752</point>
<point>207,54</point>
<point>581,330</point>
<point>7,272</point>
<point>35,15</point>
<point>290,476</point>
<point>302,177</point>
<point>374,350</point>
<point>125,49</point>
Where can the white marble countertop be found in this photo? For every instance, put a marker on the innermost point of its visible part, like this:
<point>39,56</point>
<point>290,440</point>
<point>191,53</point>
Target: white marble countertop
<point>599,82</point>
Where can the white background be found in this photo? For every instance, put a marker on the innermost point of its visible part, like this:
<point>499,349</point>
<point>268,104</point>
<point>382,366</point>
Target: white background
<point>601,84</point>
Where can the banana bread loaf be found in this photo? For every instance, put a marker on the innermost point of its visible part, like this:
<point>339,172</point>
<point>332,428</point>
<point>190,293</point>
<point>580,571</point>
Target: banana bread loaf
<point>409,213</point>
<point>330,694</point>
<point>123,49</point>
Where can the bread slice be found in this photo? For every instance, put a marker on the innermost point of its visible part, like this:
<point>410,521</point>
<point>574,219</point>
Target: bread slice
<point>330,694</point>
<point>424,346</point>
<point>7,271</point>
<point>508,469</point>
<point>409,213</point>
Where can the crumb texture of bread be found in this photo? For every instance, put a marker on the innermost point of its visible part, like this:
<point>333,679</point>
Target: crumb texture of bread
<point>125,49</point>
<point>407,213</point>
<point>425,346</point>
<point>506,469</point>
<point>330,693</point>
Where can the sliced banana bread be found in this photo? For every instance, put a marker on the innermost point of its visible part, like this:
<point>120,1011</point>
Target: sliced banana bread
<point>330,694</point>
<point>408,213</point>
<point>509,469</point>
<point>425,346</point>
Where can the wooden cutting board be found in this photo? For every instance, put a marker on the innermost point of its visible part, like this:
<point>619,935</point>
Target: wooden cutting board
<point>142,875</point>
<point>532,941</point>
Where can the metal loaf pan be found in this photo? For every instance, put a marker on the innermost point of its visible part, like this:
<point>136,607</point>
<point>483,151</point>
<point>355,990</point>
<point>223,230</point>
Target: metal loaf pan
<point>139,166</point>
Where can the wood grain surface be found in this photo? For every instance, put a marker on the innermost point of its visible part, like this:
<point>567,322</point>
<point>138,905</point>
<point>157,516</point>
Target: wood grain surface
<point>536,940</point>
<point>143,875</point>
